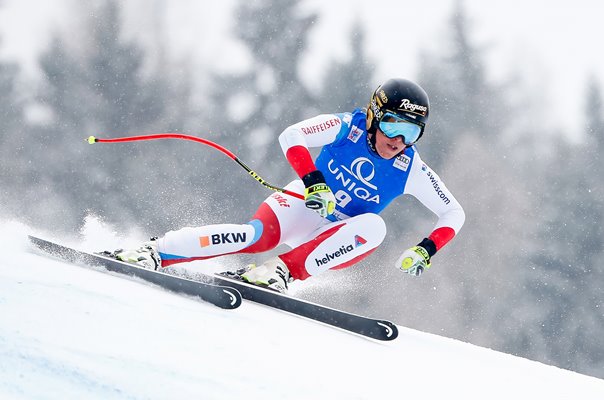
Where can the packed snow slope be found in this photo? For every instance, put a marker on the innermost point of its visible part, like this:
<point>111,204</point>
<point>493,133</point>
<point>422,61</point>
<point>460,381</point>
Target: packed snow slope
<point>69,332</point>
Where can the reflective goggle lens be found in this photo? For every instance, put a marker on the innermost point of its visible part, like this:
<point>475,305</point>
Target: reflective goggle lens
<point>394,126</point>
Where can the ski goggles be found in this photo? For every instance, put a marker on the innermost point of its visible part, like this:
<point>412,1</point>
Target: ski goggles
<point>392,126</point>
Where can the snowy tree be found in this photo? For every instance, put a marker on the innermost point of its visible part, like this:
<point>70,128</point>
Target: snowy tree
<point>461,97</point>
<point>594,114</point>
<point>12,136</point>
<point>248,110</point>
<point>98,85</point>
<point>348,85</point>
<point>11,104</point>
<point>563,306</point>
<point>253,108</point>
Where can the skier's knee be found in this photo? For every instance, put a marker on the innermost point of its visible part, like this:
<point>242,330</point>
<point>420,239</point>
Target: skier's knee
<point>266,237</point>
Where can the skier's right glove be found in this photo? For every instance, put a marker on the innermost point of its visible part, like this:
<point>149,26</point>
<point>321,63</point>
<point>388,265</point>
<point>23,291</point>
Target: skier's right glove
<point>318,195</point>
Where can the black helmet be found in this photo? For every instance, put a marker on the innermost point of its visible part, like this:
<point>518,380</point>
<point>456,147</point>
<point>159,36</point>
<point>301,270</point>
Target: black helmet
<point>401,97</point>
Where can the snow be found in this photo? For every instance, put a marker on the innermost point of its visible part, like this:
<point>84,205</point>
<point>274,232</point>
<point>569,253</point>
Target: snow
<point>73,332</point>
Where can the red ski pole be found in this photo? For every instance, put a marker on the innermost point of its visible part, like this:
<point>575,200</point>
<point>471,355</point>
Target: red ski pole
<point>216,146</point>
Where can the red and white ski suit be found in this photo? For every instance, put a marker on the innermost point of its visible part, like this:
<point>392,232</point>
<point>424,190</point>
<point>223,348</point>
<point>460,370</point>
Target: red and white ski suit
<point>363,184</point>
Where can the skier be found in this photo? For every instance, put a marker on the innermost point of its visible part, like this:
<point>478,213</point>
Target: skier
<point>368,158</point>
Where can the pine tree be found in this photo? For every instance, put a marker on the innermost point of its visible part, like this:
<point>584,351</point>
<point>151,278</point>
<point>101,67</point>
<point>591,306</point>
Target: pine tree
<point>98,85</point>
<point>251,109</point>
<point>462,99</point>
<point>594,114</point>
<point>12,136</point>
<point>563,311</point>
<point>348,85</point>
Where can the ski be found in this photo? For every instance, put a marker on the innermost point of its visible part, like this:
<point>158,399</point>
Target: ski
<point>223,296</point>
<point>226,292</point>
<point>373,328</point>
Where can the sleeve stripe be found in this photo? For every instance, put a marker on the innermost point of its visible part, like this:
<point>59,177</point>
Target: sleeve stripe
<point>441,236</point>
<point>300,159</point>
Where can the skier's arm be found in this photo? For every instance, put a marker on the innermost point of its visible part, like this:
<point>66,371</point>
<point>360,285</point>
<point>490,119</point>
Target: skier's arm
<point>295,141</point>
<point>425,185</point>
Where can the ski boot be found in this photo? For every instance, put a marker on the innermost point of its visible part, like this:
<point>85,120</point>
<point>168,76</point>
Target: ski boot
<point>145,256</point>
<point>272,274</point>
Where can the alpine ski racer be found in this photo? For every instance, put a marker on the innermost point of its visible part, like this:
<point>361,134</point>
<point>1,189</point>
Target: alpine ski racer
<point>368,158</point>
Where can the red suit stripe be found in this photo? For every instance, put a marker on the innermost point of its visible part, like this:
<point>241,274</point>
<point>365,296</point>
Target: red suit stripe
<point>300,159</point>
<point>271,233</point>
<point>441,236</point>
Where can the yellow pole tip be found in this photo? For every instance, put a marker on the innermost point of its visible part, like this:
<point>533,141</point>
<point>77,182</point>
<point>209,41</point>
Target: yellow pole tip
<point>91,140</point>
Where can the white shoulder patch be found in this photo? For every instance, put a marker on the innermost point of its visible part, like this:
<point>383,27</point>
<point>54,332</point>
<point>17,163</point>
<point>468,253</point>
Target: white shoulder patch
<point>355,133</point>
<point>402,162</point>
<point>347,118</point>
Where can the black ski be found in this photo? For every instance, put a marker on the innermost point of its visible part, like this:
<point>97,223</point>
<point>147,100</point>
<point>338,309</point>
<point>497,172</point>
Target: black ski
<point>374,328</point>
<point>222,296</point>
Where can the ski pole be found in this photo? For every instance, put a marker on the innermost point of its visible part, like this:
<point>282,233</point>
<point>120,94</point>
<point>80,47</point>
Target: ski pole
<point>216,146</point>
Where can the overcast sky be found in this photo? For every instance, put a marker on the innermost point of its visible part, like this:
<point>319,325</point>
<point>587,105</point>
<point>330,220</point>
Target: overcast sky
<point>552,44</point>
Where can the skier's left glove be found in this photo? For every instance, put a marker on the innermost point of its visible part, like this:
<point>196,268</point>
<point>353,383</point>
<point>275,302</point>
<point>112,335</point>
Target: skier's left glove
<point>318,195</point>
<point>416,260</point>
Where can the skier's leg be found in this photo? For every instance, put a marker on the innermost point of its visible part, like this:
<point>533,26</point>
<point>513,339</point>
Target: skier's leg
<point>279,218</point>
<point>200,243</point>
<point>335,246</point>
<point>332,246</point>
